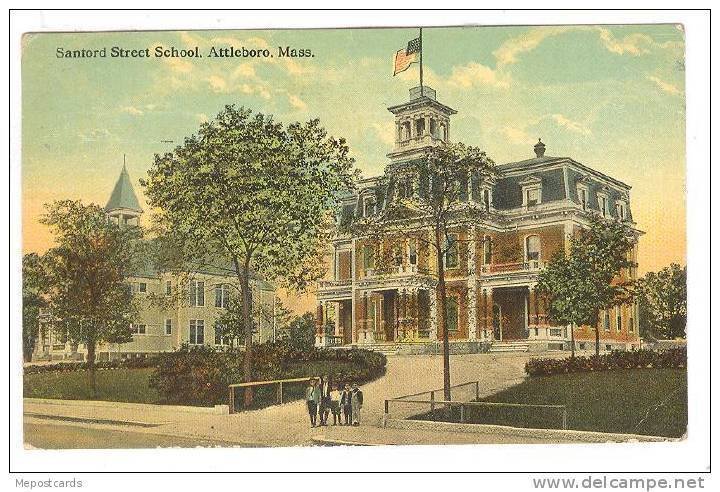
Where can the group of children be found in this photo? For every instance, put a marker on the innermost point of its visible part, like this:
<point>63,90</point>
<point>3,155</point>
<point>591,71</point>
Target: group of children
<point>324,398</point>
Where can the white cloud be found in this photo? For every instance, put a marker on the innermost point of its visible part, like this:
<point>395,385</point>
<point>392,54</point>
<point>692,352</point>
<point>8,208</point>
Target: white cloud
<point>665,86</point>
<point>202,117</point>
<point>217,83</point>
<point>476,74</point>
<point>131,110</point>
<point>517,135</point>
<point>296,102</point>
<point>633,44</point>
<point>569,124</point>
<point>508,52</point>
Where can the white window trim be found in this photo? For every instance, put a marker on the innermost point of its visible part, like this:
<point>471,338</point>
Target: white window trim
<point>529,188</point>
<point>621,205</point>
<point>604,211</point>
<point>457,246</point>
<point>198,323</point>
<point>194,302</point>
<point>134,327</point>
<point>583,187</point>
<point>525,247</point>
<point>165,325</point>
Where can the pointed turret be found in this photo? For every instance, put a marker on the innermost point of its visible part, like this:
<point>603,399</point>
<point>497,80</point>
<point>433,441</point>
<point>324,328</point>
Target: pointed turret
<point>123,206</point>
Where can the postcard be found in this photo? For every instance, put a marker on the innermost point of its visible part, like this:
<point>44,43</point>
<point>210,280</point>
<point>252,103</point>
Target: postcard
<point>345,237</point>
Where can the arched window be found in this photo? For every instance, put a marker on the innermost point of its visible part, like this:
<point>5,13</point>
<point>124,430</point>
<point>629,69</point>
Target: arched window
<point>532,248</point>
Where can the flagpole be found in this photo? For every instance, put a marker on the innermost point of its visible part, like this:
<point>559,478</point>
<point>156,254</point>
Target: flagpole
<point>422,90</point>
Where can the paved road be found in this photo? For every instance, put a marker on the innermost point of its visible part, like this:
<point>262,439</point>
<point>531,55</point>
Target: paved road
<point>283,425</point>
<point>42,435</point>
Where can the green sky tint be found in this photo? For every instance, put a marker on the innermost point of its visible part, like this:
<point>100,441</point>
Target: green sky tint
<point>611,97</point>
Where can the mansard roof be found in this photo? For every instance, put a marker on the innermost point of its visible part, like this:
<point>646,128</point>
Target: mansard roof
<point>123,195</point>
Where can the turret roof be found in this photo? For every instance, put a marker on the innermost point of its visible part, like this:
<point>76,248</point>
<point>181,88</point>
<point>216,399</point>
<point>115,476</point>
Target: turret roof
<point>123,195</point>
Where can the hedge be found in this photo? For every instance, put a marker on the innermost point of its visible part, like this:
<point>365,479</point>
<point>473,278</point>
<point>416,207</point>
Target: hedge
<point>130,363</point>
<point>201,375</point>
<point>634,359</point>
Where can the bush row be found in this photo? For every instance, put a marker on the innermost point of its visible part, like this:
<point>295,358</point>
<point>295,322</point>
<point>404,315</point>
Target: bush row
<point>130,363</point>
<point>201,375</point>
<point>635,359</point>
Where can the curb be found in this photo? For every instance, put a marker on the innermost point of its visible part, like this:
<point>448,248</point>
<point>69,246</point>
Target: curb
<point>549,434</point>
<point>93,420</point>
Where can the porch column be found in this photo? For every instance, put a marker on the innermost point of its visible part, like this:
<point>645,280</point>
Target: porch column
<point>338,316</point>
<point>471,287</point>
<point>319,324</point>
<point>433,314</point>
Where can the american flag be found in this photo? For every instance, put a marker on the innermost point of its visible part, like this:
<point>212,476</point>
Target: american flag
<point>405,57</point>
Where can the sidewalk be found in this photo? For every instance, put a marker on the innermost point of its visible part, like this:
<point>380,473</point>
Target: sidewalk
<point>288,424</point>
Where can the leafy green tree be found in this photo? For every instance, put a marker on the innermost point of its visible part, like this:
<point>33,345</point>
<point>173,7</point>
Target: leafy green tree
<point>32,301</point>
<point>580,284</point>
<point>86,274</point>
<point>439,206</point>
<point>253,191</point>
<point>301,332</point>
<point>662,299</point>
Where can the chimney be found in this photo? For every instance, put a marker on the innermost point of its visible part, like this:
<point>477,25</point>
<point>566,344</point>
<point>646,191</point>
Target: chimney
<point>539,148</point>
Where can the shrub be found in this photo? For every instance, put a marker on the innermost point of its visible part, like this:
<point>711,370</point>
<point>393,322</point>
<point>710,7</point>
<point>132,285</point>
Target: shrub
<point>131,363</point>
<point>201,375</point>
<point>635,359</point>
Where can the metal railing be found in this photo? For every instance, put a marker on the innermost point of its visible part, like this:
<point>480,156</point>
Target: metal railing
<point>279,393</point>
<point>512,267</point>
<point>468,411</point>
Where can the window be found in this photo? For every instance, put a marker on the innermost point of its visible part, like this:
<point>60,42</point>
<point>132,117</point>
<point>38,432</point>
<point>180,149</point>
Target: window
<point>451,251</point>
<point>583,197</point>
<point>197,331</point>
<point>631,325</point>
<point>368,206</point>
<point>412,252</point>
<point>420,127</point>
<point>487,250</point>
<point>532,196</point>
<point>368,257</point>
<point>168,327</point>
<point>220,339</point>
<point>486,199</point>
<point>620,210</point>
<point>138,329</point>
<point>397,253</point>
<point>556,332</point>
<point>142,287</point>
<point>606,321</point>
<point>197,293</point>
<point>532,248</point>
<point>618,318</point>
<point>452,314</point>
<point>222,296</point>
<point>168,288</point>
<point>603,204</point>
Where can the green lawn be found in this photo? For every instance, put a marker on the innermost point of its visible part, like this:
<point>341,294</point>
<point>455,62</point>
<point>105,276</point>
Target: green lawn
<point>634,401</point>
<point>131,385</point>
<point>127,385</point>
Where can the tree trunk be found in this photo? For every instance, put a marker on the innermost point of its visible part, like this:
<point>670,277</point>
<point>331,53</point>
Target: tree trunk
<point>572,340</point>
<point>442,313</point>
<point>248,325</point>
<point>91,367</point>
<point>597,339</point>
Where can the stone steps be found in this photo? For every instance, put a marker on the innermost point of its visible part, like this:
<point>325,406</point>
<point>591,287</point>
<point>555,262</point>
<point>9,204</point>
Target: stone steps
<point>519,346</point>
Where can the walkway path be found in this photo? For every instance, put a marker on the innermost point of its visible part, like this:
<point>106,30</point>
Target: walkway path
<point>287,425</point>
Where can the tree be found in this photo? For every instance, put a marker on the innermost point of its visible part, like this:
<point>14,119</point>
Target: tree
<point>301,332</point>
<point>662,299</point>
<point>578,285</point>
<point>86,275</point>
<point>32,301</point>
<point>255,192</point>
<point>445,174</point>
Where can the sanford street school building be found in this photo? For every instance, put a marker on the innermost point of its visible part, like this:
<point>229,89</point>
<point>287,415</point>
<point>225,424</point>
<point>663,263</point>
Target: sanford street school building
<point>530,210</point>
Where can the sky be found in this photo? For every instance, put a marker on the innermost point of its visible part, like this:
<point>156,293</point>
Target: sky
<point>610,97</point>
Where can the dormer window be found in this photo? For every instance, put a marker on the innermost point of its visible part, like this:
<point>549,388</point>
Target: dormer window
<point>583,195</point>
<point>621,210</point>
<point>603,204</point>
<point>531,191</point>
<point>369,208</point>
